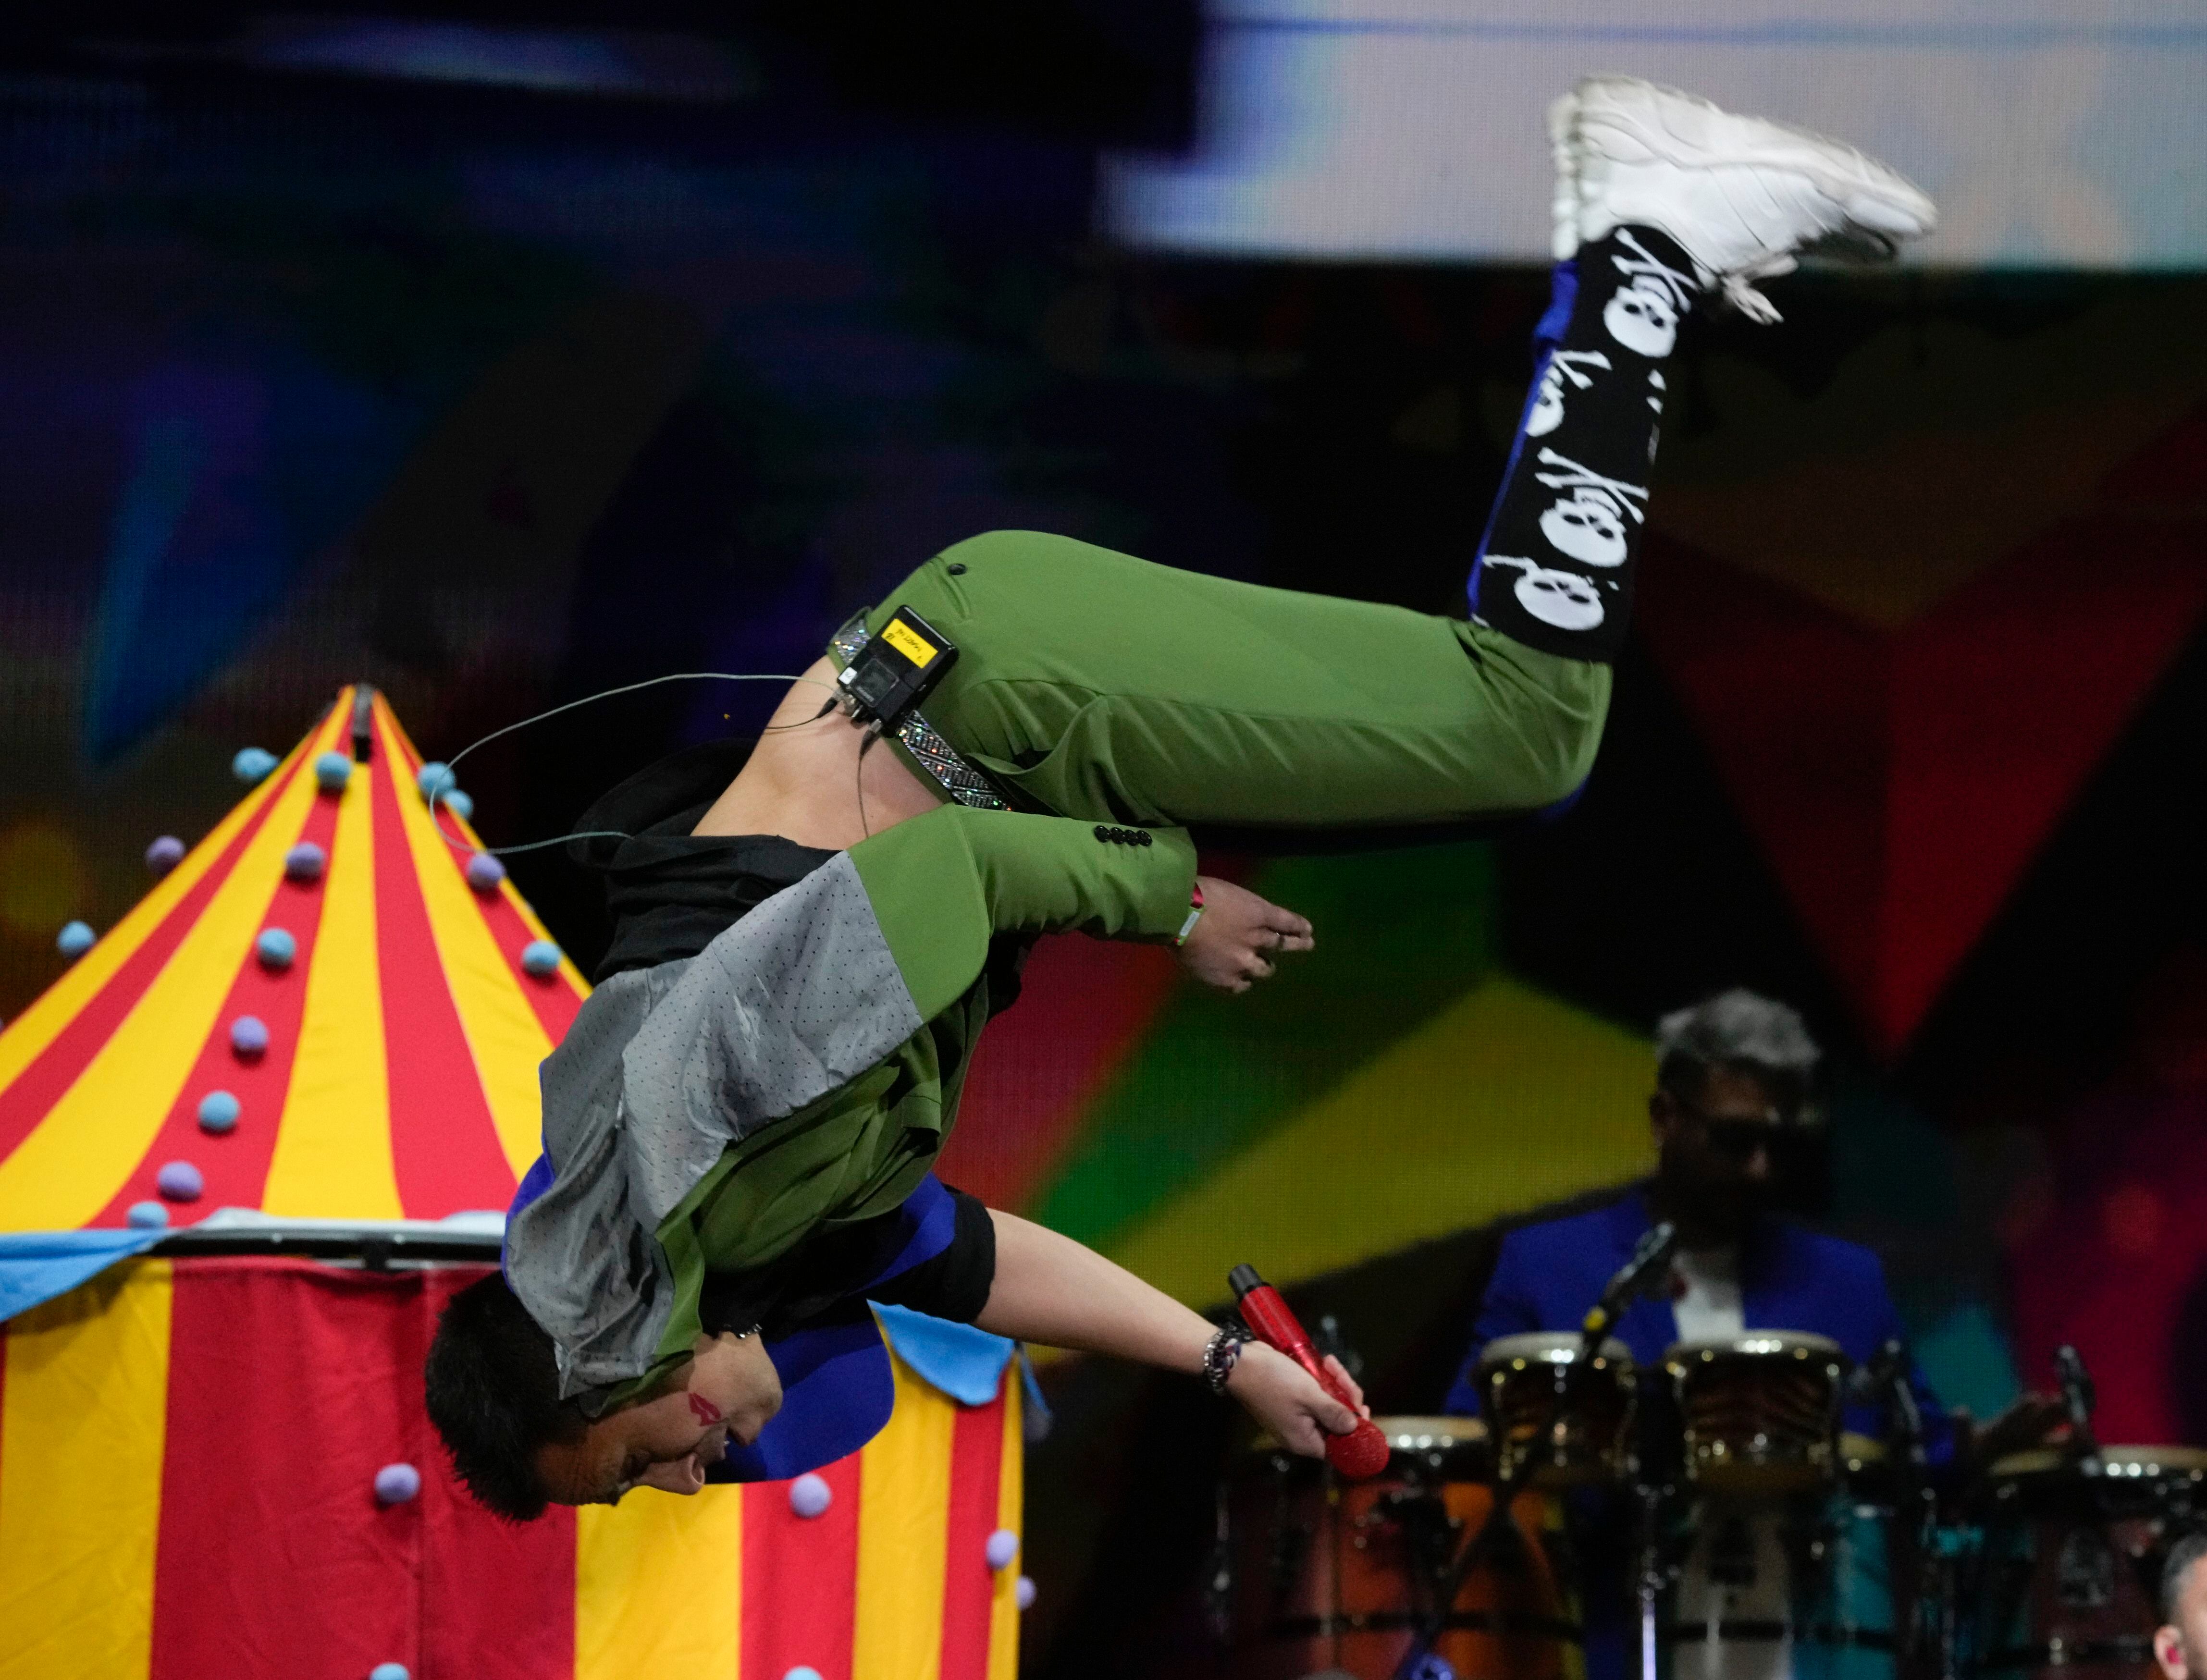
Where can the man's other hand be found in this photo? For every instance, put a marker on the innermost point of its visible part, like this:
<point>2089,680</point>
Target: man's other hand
<point>1238,935</point>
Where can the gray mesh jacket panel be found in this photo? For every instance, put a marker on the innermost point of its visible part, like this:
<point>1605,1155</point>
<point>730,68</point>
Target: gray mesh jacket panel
<point>663,1068</point>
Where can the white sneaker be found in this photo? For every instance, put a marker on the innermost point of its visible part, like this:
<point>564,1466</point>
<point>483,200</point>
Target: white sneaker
<point>1742,195</point>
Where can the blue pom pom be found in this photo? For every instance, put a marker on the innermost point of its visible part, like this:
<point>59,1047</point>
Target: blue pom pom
<point>248,1035</point>
<point>802,1671</point>
<point>164,854</point>
<point>459,804</point>
<point>146,1217</point>
<point>332,770</point>
<point>219,1112</point>
<point>485,872</point>
<point>435,779</point>
<point>252,764</point>
<point>540,957</point>
<point>395,1484</point>
<point>75,939</point>
<point>180,1181</point>
<point>276,948</point>
<point>810,1495</point>
<point>389,1672</point>
<point>306,861</point>
<point>1003,1546</point>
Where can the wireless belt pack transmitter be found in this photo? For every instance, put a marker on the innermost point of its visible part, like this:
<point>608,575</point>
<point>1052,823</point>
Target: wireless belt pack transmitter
<point>896,670</point>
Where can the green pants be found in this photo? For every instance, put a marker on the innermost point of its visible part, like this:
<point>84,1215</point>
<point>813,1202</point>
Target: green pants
<point>1097,685</point>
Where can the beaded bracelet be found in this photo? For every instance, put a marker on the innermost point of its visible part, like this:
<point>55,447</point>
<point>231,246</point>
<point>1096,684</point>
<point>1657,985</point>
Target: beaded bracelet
<point>1222,1353</point>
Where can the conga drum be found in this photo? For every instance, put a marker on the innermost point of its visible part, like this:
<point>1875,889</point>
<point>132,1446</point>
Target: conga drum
<point>2072,1560</point>
<point>1761,1412</point>
<point>1759,1417</point>
<point>1547,1401</point>
<point>1327,1574</point>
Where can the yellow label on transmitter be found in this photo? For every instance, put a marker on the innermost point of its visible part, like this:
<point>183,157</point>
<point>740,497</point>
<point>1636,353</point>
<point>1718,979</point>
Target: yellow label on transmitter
<point>908,642</point>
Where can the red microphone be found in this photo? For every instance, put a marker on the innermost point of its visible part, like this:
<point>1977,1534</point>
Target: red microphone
<point>1363,1451</point>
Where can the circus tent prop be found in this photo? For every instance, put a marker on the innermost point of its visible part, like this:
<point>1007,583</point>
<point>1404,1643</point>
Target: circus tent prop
<point>323,1025</point>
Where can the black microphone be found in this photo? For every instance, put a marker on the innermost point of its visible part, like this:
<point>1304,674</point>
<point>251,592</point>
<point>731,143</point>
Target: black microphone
<point>1878,1377</point>
<point>2077,1400</point>
<point>1654,1251</point>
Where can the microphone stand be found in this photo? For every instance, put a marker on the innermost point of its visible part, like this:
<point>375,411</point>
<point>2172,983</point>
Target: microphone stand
<point>1594,1329</point>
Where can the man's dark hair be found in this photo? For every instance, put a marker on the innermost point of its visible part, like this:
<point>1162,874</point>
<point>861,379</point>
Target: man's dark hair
<point>493,1393</point>
<point>2189,1549</point>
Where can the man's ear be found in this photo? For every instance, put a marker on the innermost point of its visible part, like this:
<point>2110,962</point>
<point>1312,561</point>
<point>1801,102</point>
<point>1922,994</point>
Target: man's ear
<point>2169,1652</point>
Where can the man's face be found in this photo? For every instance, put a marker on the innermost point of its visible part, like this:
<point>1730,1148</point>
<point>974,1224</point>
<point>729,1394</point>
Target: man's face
<point>729,1389</point>
<point>2180,1647</point>
<point>1718,1150</point>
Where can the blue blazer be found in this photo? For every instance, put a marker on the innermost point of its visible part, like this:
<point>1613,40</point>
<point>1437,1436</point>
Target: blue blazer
<point>1549,1275</point>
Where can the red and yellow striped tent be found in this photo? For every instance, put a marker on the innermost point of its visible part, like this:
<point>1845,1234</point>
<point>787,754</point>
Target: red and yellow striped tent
<point>189,1442</point>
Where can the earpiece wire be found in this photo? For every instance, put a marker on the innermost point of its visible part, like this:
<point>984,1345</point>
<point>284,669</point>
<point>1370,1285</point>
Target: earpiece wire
<point>452,763</point>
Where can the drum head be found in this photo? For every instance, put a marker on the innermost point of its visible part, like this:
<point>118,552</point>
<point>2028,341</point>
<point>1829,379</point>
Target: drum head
<point>1755,1344</point>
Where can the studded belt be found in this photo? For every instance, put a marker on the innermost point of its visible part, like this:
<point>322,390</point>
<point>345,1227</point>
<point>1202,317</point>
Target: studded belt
<point>920,738</point>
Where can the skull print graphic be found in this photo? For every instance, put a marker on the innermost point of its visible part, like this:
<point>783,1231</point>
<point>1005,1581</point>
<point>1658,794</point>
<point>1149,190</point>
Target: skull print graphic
<point>1574,501</point>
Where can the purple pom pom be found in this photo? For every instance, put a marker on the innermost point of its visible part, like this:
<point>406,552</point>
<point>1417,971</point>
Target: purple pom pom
<point>180,1181</point>
<point>1003,1546</point>
<point>395,1484</point>
<point>248,1035</point>
<point>1024,1595</point>
<point>306,861</point>
<point>810,1495</point>
<point>164,854</point>
<point>485,872</point>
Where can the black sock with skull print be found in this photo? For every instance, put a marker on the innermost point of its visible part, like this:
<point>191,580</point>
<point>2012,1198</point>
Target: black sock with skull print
<point>1554,569</point>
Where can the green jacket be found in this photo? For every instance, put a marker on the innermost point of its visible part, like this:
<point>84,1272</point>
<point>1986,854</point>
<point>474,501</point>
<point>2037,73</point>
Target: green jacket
<point>802,1072</point>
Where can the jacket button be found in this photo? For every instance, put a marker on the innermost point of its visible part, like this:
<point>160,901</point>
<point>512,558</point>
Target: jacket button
<point>1103,832</point>
<point>1142,837</point>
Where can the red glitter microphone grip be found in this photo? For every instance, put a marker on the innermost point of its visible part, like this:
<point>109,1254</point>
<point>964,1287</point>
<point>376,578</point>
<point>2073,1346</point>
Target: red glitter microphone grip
<point>1363,1451</point>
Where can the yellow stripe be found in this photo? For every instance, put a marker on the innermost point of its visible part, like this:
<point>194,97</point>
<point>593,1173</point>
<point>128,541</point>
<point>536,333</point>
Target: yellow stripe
<point>659,1584</point>
<point>1011,1512</point>
<point>30,1032</point>
<point>503,1033</point>
<point>95,1135</point>
<point>1548,1101</point>
<point>332,1157</point>
<point>904,1486</point>
<point>83,1419</point>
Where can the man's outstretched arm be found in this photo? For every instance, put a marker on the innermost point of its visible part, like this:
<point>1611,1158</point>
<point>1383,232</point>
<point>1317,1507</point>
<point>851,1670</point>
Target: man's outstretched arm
<point>1050,1290</point>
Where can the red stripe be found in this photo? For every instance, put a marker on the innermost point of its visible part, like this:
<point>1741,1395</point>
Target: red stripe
<point>977,1462</point>
<point>289,1384</point>
<point>444,1144</point>
<point>235,1166</point>
<point>800,1578</point>
<point>24,1102</point>
<point>498,1600</point>
<point>553,998</point>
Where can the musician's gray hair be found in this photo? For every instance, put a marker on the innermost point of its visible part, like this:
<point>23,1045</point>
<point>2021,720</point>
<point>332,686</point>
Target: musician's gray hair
<point>1735,1029</point>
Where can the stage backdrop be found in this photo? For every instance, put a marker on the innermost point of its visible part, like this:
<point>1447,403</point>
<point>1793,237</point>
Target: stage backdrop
<point>497,401</point>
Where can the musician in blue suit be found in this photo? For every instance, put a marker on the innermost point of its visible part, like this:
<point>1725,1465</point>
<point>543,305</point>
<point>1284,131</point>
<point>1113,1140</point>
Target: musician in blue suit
<point>1732,1112</point>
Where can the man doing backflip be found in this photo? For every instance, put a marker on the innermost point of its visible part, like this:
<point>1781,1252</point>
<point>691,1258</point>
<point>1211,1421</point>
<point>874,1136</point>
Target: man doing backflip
<point>739,1126</point>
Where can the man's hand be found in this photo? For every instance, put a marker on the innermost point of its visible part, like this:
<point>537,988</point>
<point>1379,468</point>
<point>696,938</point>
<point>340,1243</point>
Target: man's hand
<point>1238,935</point>
<point>1282,1397</point>
<point>2031,1421</point>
